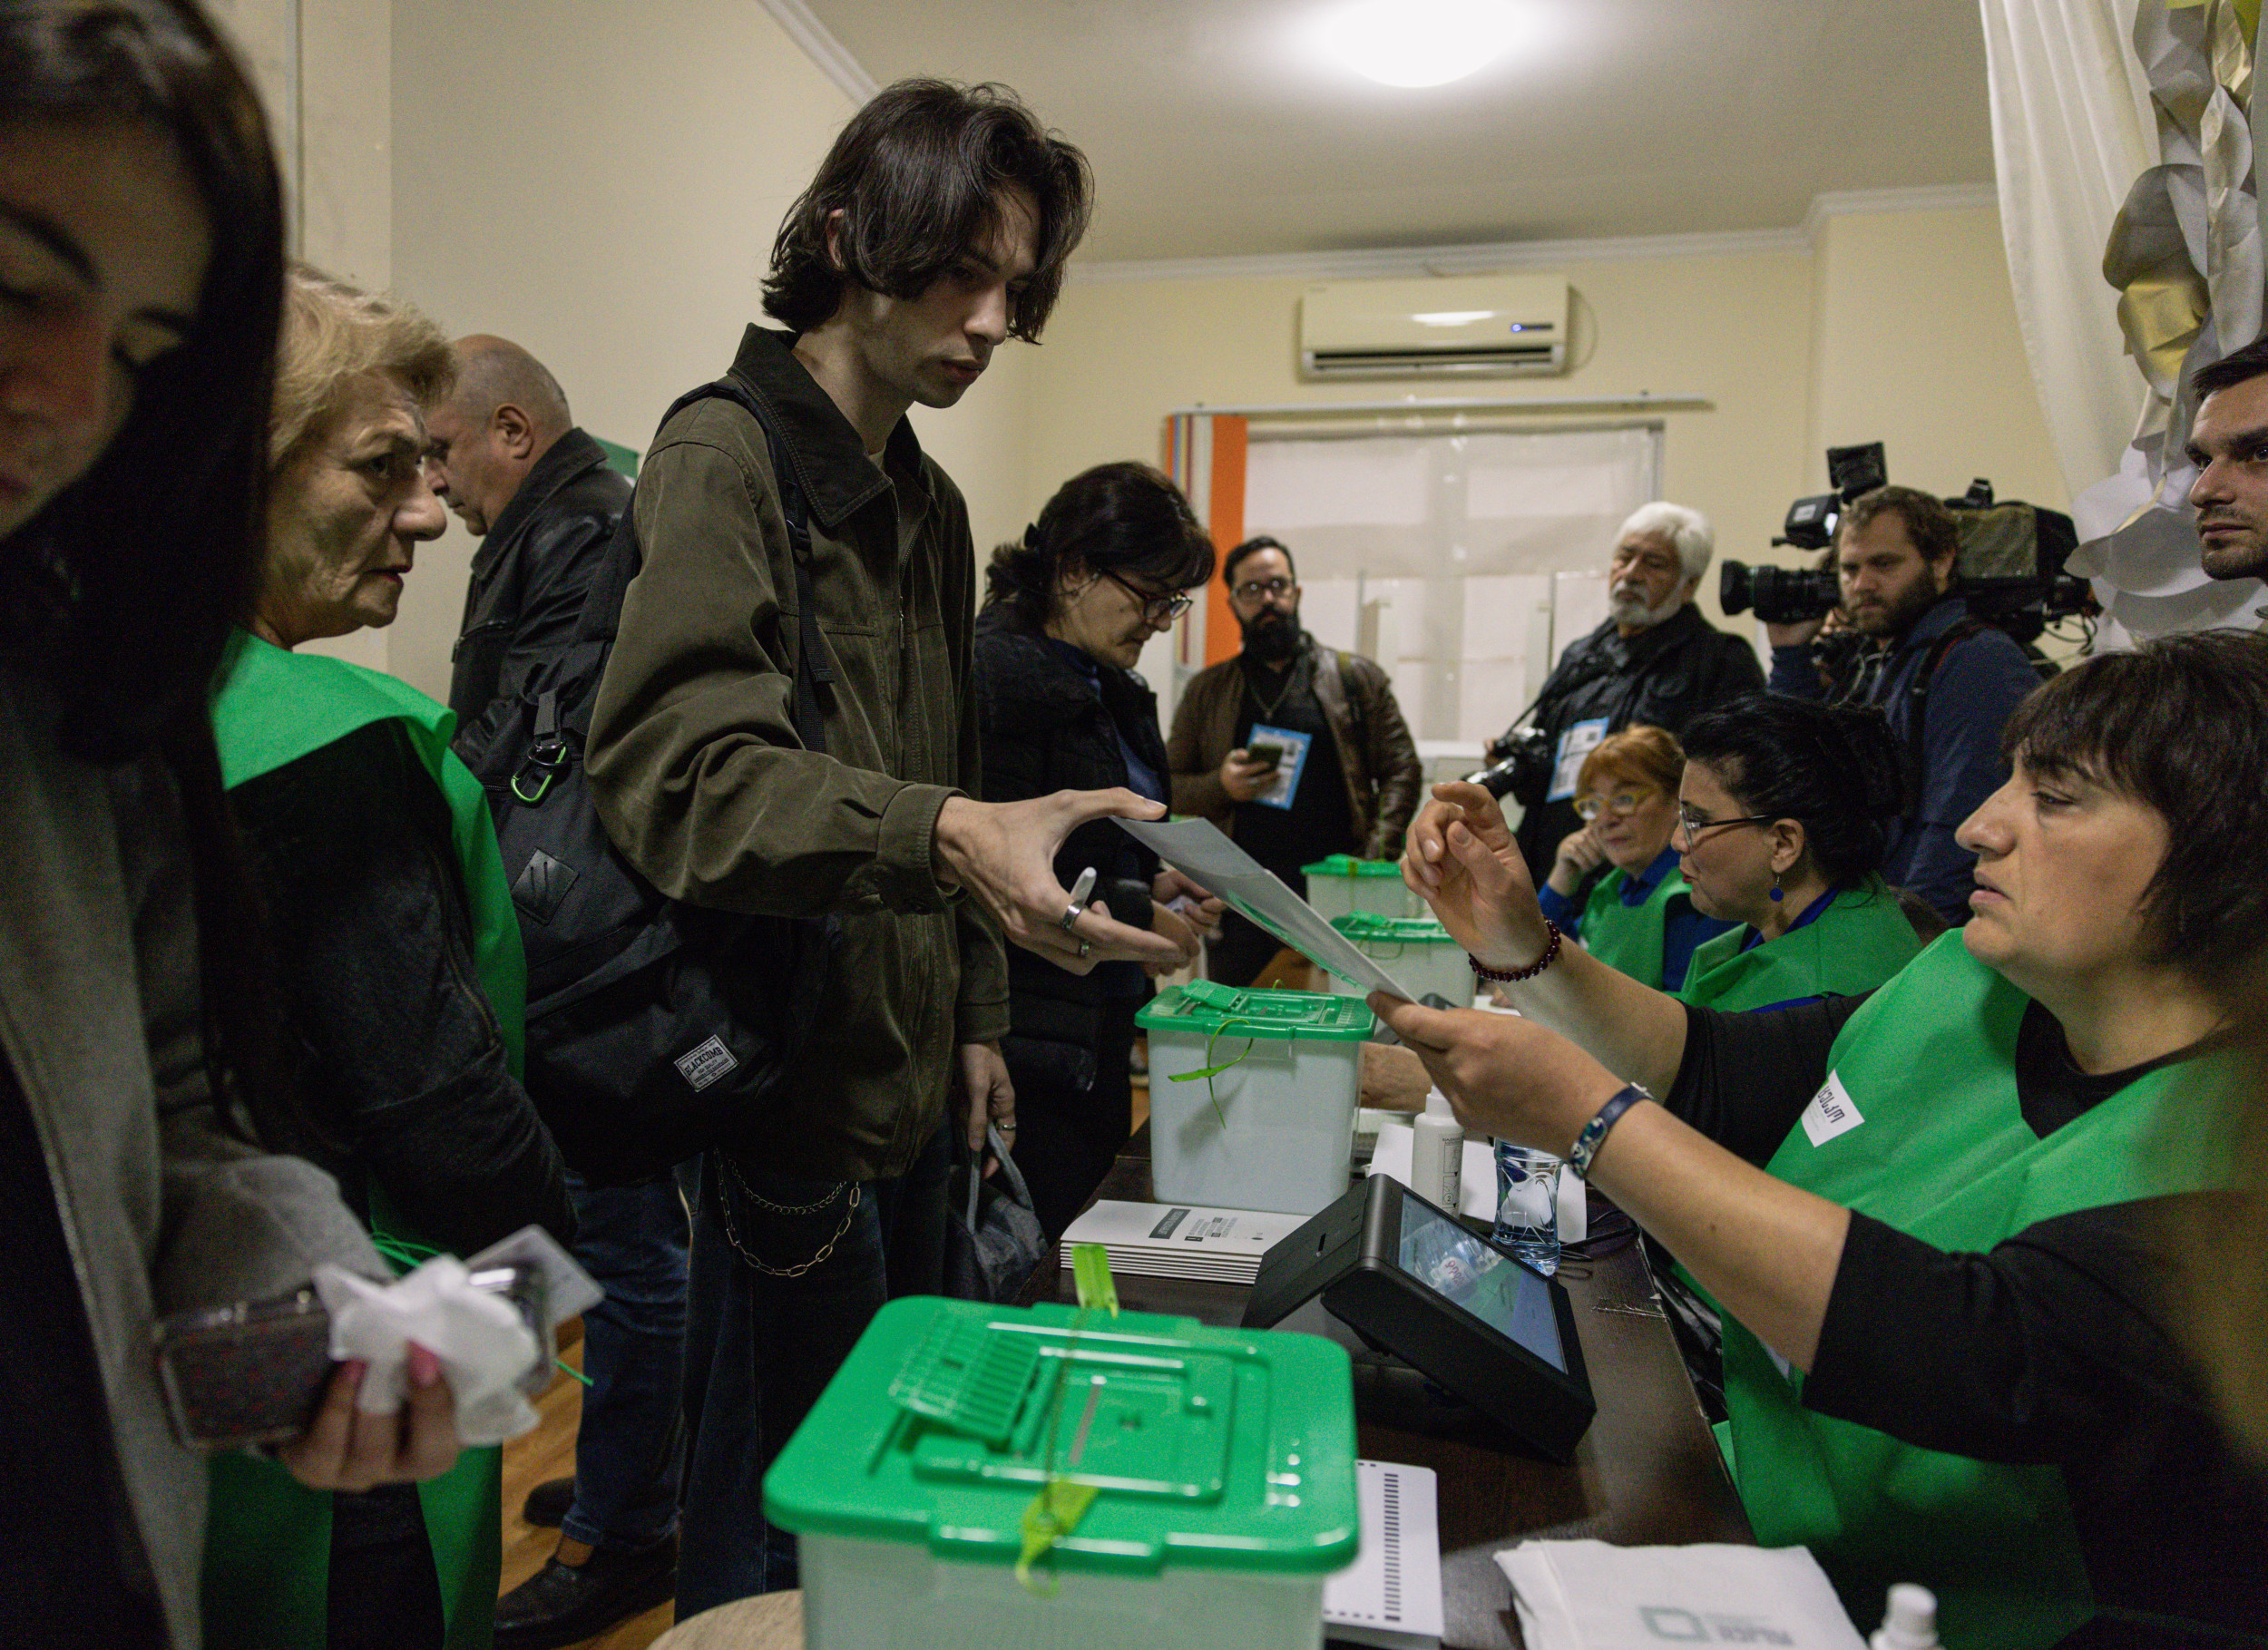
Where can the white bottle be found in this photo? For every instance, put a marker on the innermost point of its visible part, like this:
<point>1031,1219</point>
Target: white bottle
<point>1911,1622</point>
<point>1437,1160</point>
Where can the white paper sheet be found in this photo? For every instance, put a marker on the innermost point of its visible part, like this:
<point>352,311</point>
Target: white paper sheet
<point>1196,848</point>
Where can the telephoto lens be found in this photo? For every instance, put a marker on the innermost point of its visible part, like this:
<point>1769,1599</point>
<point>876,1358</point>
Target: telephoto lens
<point>1780,595</point>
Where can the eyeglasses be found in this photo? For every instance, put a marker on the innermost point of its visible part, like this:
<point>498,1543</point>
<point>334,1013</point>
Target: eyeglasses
<point>1691,824</point>
<point>1622,803</point>
<point>1253,589</point>
<point>1158,611</point>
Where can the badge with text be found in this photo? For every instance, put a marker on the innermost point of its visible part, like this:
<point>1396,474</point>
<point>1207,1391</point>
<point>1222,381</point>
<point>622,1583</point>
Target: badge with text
<point>1832,1112</point>
<point>1575,744</point>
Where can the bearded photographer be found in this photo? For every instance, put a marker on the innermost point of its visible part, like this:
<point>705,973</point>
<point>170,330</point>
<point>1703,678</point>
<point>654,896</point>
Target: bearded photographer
<point>1656,661</point>
<point>1946,680</point>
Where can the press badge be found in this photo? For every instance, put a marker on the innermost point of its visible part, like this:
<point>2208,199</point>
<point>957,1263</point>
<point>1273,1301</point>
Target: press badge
<point>1575,744</point>
<point>1832,1112</point>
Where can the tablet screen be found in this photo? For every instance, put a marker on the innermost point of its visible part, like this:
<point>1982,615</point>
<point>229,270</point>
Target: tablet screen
<point>1505,1295</point>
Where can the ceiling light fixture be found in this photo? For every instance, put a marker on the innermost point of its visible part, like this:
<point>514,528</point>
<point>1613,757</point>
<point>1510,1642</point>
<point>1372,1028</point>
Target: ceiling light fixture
<point>1420,43</point>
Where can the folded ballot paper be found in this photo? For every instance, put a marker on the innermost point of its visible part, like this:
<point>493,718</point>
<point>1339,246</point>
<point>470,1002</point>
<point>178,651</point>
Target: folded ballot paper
<point>1589,1596</point>
<point>1196,848</point>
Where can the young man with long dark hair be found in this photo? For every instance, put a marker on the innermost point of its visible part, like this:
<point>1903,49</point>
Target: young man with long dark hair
<point>936,229</point>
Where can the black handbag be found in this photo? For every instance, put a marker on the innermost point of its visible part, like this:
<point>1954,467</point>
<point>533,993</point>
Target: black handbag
<point>994,1239</point>
<point>654,1029</point>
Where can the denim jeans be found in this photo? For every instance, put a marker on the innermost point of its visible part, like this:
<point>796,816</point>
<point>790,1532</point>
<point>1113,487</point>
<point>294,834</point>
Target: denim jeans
<point>761,1347</point>
<point>632,1239</point>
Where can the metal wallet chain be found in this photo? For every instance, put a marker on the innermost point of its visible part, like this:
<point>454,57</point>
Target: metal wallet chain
<point>724,1203</point>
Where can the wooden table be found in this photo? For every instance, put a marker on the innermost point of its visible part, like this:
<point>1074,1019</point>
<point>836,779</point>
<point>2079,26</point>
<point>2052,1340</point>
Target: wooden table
<point>1647,1471</point>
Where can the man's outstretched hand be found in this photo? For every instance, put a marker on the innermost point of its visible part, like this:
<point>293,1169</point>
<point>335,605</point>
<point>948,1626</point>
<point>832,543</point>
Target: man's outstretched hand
<point>1004,853</point>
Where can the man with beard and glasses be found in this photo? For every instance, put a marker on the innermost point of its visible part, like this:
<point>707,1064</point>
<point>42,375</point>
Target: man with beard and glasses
<point>1656,662</point>
<point>1258,741</point>
<point>1946,680</point>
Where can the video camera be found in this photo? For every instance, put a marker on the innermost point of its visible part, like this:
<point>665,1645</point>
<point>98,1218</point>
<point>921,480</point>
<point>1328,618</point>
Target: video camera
<point>2010,565</point>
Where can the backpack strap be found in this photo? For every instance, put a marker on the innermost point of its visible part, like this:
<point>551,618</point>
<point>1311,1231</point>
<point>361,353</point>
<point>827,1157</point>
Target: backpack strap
<point>1918,699</point>
<point>815,678</point>
<point>815,675</point>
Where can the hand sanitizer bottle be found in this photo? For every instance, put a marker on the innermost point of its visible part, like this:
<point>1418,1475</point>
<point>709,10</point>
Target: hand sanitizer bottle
<point>1911,1622</point>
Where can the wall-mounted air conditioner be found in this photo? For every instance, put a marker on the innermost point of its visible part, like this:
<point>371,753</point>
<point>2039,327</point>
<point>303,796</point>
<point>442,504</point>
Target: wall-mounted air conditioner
<point>1487,326</point>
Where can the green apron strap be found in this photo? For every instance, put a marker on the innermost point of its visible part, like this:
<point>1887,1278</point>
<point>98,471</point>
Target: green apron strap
<point>267,1559</point>
<point>274,708</point>
<point>1860,941</point>
<point>1629,939</point>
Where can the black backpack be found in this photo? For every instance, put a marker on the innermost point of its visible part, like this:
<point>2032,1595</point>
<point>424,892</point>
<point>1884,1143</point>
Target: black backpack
<point>638,1058</point>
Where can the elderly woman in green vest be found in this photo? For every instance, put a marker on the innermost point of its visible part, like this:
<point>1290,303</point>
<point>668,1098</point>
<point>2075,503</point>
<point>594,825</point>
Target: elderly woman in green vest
<point>1940,1215</point>
<point>1641,916</point>
<point>373,847</point>
<point>1784,815</point>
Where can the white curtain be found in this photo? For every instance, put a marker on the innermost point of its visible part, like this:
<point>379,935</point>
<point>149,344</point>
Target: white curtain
<point>2128,201</point>
<point>1463,562</point>
<point>2071,132</point>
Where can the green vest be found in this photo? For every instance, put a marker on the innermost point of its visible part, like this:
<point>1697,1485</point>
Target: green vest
<point>267,1541</point>
<point>1628,938</point>
<point>1918,1127</point>
<point>1861,939</point>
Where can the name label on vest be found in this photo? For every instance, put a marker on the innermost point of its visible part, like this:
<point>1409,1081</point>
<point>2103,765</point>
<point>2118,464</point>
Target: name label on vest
<point>1832,1112</point>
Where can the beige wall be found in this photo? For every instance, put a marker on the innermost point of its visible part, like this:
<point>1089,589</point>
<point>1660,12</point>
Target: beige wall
<point>1895,325</point>
<point>599,182</point>
<point>1915,344</point>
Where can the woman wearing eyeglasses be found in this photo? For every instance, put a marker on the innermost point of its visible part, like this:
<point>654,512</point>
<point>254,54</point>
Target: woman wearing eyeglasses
<point>1109,565</point>
<point>1640,918</point>
<point>1945,1219</point>
<point>1783,818</point>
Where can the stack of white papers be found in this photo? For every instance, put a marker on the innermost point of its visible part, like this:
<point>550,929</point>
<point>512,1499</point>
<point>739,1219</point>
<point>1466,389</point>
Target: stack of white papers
<point>1589,1596</point>
<point>1180,1240</point>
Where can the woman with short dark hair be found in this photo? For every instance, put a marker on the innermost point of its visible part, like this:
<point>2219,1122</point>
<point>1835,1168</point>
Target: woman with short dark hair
<point>1783,817</point>
<point>1109,565</point>
<point>1940,1215</point>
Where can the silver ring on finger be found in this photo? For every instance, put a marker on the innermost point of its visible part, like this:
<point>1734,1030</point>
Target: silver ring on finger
<point>1070,918</point>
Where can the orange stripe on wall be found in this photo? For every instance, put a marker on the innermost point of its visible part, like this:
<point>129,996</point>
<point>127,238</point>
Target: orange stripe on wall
<point>1226,519</point>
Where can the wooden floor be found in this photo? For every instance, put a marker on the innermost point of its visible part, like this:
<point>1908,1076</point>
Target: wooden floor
<point>548,1452</point>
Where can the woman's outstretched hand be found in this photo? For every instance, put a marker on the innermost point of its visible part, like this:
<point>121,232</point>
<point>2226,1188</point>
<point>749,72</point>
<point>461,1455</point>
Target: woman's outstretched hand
<point>1461,859</point>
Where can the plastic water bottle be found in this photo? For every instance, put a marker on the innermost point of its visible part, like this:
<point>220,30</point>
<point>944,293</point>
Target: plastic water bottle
<point>1527,1204</point>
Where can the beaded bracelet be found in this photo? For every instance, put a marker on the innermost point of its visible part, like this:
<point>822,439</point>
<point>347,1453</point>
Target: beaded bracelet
<point>1509,975</point>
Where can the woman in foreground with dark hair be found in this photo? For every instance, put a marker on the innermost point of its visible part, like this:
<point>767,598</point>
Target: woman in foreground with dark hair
<point>1943,1216</point>
<point>1784,815</point>
<point>141,276</point>
<point>1109,565</point>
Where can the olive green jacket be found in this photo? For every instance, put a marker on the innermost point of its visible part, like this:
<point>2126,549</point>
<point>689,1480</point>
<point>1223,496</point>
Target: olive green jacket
<point>700,778</point>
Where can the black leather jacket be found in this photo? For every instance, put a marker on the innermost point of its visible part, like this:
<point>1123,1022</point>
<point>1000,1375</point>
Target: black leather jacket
<point>402,1061</point>
<point>529,580</point>
<point>1048,728</point>
<point>1663,677</point>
